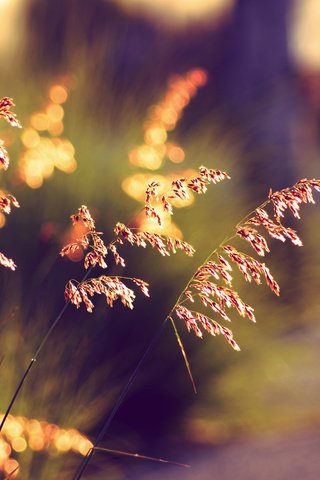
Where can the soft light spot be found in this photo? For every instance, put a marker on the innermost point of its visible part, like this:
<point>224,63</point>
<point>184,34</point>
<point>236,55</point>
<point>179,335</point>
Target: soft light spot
<point>40,121</point>
<point>19,444</point>
<point>175,153</point>
<point>36,442</point>
<point>58,94</point>
<point>10,466</point>
<point>2,220</point>
<point>55,112</point>
<point>155,135</point>
<point>5,449</point>
<point>30,138</point>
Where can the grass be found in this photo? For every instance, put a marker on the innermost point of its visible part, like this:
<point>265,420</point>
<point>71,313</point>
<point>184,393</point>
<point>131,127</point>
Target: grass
<point>97,182</point>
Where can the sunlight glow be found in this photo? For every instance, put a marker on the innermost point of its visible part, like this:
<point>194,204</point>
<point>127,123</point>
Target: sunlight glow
<point>305,34</point>
<point>175,11</point>
<point>11,14</point>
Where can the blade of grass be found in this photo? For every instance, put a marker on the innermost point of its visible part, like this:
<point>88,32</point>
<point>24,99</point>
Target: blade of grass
<point>120,400</point>
<point>140,457</point>
<point>185,358</point>
<point>35,356</point>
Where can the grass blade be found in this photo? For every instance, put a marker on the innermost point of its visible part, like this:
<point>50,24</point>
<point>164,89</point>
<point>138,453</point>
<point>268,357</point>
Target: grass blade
<point>186,361</point>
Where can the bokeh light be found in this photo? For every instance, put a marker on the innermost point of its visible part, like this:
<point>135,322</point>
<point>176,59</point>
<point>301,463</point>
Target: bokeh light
<point>305,34</point>
<point>161,120</point>
<point>43,153</point>
<point>20,433</point>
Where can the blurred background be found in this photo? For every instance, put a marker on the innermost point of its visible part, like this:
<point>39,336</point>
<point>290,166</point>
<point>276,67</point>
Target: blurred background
<point>110,94</point>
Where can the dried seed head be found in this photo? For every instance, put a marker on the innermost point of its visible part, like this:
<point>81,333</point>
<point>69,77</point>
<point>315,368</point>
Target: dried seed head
<point>5,104</point>
<point>192,319</point>
<point>225,296</point>
<point>179,189</point>
<point>251,268</point>
<point>7,262</point>
<point>4,157</point>
<point>291,198</point>
<point>111,287</point>
<point>142,285</point>
<point>277,231</point>
<point>84,216</point>
<point>117,257</point>
<point>6,200</point>
<point>215,270</point>
<point>200,285</point>
<point>163,244</point>
<point>257,241</point>
<point>91,239</point>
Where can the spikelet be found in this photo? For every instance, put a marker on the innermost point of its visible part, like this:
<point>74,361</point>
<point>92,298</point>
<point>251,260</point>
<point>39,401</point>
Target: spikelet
<point>151,196</point>
<point>117,257</point>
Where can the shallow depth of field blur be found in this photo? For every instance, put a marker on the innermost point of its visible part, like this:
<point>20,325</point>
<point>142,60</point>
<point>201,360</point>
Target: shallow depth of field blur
<point>110,94</point>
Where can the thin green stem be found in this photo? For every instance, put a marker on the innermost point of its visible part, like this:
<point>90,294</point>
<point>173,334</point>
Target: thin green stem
<point>185,358</point>
<point>140,457</point>
<point>120,400</point>
<point>35,356</point>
